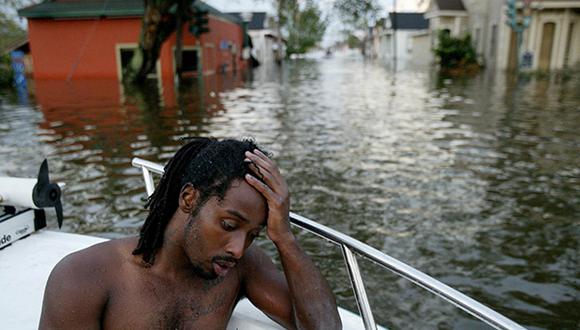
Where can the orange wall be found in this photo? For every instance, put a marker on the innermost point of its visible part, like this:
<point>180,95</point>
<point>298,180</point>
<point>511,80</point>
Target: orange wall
<point>212,56</point>
<point>64,49</point>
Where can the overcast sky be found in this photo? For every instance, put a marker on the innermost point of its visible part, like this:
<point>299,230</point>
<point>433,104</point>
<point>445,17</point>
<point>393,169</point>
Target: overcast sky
<point>334,28</point>
<point>266,5</point>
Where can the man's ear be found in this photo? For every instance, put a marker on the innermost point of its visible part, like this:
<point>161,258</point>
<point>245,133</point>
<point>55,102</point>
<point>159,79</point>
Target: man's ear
<point>188,198</point>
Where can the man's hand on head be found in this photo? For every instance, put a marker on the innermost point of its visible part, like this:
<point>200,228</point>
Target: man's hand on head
<point>301,298</point>
<point>275,190</point>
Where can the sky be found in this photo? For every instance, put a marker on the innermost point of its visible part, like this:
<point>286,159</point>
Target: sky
<point>334,28</point>
<point>266,5</point>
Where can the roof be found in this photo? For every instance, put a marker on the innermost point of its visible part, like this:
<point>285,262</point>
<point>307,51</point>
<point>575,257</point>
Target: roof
<point>102,8</point>
<point>408,21</point>
<point>258,20</point>
<point>450,5</point>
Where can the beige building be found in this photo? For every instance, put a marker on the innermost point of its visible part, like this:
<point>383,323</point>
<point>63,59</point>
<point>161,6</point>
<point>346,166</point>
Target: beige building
<point>267,47</point>
<point>402,39</point>
<point>553,37</point>
<point>552,40</point>
<point>450,15</point>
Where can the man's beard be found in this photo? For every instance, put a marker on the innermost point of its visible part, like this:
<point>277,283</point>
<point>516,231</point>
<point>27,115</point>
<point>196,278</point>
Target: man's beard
<point>198,270</point>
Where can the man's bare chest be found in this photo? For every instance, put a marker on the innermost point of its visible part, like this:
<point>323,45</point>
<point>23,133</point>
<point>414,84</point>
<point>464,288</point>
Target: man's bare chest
<point>159,305</point>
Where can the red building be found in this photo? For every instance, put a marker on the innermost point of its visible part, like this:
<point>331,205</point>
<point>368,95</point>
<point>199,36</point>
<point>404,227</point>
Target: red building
<point>95,39</point>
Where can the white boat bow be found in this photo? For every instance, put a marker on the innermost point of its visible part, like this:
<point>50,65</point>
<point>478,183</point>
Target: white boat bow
<point>26,264</point>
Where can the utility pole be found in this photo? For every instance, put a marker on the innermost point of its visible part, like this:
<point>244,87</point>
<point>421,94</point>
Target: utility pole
<point>519,21</point>
<point>395,35</point>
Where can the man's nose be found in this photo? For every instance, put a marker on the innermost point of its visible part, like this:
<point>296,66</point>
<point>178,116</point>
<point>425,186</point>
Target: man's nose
<point>236,246</point>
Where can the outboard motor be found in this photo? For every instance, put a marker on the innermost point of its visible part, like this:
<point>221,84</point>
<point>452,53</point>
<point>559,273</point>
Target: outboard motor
<point>32,194</point>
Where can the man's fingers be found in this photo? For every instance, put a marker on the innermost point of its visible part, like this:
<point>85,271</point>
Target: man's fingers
<point>266,176</point>
<point>257,160</point>
<point>260,154</point>
<point>265,169</point>
<point>263,161</point>
<point>263,188</point>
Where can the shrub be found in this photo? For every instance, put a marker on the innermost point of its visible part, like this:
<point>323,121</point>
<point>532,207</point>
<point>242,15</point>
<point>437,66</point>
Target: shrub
<point>455,52</point>
<point>6,73</point>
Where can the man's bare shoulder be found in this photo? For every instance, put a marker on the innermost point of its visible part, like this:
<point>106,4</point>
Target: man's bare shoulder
<point>98,259</point>
<point>80,284</point>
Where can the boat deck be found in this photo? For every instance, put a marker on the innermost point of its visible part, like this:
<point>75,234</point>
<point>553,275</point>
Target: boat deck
<point>26,264</point>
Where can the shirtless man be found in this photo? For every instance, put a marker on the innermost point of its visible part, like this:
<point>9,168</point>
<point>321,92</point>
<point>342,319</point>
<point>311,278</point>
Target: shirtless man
<point>194,258</point>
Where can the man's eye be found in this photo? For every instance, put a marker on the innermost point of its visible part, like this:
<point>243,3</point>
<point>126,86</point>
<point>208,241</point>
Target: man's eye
<point>254,235</point>
<point>228,225</point>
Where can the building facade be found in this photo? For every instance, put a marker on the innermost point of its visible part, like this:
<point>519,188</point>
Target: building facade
<point>402,37</point>
<point>551,41</point>
<point>267,44</point>
<point>72,39</point>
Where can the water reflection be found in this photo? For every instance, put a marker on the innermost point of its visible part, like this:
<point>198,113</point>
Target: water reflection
<point>472,180</point>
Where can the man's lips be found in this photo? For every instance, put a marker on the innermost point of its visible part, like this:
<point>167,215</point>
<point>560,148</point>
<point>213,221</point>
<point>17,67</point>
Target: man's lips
<point>222,267</point>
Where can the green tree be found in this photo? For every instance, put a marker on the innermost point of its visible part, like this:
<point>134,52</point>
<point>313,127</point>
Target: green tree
<point>6,73</point>
<point>10,32</point>
<point>160,20</point>
<point>305,28</point>
<point>358,14</point>
<point>352,41</point>
<point>300,23</point>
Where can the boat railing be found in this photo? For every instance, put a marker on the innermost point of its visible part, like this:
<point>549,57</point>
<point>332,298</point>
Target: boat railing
<point>350,247</point>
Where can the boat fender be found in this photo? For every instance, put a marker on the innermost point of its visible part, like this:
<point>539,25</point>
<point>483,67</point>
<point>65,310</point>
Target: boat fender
<point>33,193</point>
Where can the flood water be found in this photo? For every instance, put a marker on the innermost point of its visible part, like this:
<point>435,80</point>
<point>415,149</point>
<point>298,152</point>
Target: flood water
<point>475,181</point>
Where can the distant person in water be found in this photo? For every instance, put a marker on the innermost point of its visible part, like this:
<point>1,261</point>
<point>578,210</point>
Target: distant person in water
<point>194,258</point>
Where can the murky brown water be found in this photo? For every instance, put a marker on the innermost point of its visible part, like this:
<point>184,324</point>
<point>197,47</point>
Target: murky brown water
<point>475,181</point>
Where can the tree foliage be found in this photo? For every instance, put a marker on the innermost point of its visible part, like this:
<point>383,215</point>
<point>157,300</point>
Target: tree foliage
<point>10,32</point>
<point>6,72</point>
<point>353,41</point>
<point>357,14</point>
<point>160,20</point>
<point>455,52</point>
<point>304,27</point>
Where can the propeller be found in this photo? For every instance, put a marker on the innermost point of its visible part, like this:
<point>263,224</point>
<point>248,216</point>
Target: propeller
<point>46,194</point>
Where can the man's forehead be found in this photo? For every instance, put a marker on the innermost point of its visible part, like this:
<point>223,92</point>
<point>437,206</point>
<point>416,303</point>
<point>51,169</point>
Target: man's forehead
<point>241,192</point>
<point>245,202</point>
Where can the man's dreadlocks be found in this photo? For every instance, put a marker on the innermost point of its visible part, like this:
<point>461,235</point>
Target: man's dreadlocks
<point>210,166</point>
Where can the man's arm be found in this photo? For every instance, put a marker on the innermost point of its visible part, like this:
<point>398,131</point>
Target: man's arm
<point>75,295</point>
<point>301,298</point>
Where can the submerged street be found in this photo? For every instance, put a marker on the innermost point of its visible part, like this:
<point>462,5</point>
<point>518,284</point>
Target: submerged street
<point>474,181</point>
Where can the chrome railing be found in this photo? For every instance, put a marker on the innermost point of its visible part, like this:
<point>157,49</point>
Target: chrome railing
<point>350,246</point>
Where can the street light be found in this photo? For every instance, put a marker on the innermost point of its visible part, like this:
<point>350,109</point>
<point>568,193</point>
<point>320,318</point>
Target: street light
<point>246,19</point>
<point>519,22</point>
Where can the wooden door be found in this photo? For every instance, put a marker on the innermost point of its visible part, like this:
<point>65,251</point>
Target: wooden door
<point>513,52</point>
<point>546,46</point>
